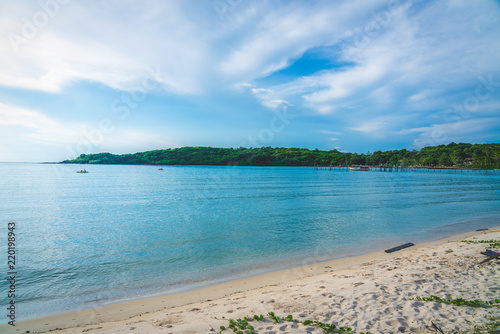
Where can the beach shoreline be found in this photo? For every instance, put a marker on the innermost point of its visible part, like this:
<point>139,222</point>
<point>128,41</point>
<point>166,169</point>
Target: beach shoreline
<point>114,314</point>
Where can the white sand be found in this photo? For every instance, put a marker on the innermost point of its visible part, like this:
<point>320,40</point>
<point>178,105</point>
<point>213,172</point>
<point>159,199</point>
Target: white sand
<point>374,293</point>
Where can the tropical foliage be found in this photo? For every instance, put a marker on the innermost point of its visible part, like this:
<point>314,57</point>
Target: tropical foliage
<point>486,156</point>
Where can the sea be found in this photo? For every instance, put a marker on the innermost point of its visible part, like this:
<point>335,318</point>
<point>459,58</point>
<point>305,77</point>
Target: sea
<point>121,232</point>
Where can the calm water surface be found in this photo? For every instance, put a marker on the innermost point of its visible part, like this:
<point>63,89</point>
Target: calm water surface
<point>121,232</point>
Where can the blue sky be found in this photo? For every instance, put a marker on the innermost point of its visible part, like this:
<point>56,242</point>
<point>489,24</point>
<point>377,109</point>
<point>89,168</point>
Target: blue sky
<point>360,75</point>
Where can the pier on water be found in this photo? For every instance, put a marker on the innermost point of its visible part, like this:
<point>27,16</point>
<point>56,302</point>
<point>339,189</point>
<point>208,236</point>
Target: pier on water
<point>410,169</point>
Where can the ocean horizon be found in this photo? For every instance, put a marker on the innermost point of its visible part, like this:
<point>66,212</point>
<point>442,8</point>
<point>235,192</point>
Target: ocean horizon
<point>122,232</point>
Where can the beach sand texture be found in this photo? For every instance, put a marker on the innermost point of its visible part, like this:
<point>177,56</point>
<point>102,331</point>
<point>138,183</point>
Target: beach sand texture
<point>375,293</point>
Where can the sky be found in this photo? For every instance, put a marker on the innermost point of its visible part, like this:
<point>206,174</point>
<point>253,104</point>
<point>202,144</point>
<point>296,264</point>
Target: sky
<point>80,77</point>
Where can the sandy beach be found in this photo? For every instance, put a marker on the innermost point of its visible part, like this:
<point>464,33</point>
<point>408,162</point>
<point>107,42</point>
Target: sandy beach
<point>376,292</point>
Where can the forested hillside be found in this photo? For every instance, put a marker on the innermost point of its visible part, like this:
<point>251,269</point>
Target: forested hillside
<point>485,156</point>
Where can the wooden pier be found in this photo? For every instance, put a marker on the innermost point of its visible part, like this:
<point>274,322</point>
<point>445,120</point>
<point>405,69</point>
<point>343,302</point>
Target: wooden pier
<point>395,169</point>
<point>317,167</point>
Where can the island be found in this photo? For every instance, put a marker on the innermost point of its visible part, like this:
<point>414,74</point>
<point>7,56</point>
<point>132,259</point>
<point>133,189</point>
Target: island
<point>461,155</point>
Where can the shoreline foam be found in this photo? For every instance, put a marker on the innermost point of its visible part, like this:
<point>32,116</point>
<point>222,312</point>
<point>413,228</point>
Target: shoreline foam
<point>274,291</point>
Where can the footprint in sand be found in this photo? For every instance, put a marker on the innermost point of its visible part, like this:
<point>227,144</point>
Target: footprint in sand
<point>167,324</point>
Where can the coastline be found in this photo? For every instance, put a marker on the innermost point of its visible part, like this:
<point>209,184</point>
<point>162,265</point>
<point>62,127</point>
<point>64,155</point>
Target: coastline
<point>98,319</point>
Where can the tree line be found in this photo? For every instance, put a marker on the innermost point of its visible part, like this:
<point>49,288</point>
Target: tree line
<point>483,156</point>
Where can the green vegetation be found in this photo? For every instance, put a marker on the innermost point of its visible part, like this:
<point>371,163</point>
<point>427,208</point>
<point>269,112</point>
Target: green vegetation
<point>242,326</point>
<point>491,243</point>
<point>491,327</point>
<point>493,324</point>
<point>481,156</point>
<point>461,301</point>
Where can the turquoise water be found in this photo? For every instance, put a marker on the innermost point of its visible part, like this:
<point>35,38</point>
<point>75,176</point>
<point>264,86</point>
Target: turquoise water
<point>121,232</point>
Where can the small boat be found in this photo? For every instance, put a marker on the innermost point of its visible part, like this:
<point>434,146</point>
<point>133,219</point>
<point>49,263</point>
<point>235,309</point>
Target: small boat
<point>82,171</point>
<point>360,168</point>
<point>160,168</point>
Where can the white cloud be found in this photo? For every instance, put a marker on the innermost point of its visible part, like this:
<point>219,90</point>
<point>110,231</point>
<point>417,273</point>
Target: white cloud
<point>261,91</point>
<point>127,140</point>
<point>92,41</point>
<point>467,130</point>
<point>113,43</point>
<point>375,128</point>
<point>328,132</point>
<point>269,99</point>
<point>422,62</point>
<point>408,69</point>
<point>44,132</point>
<point>273,104</point>
<point>95,42</point>
<point>425,94</point>
<point>421,52</point>
<point>325,109</point>
<point>37,125</point>
<point>343,84</point>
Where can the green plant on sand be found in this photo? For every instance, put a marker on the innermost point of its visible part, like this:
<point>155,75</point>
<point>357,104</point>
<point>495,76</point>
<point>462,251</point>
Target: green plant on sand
<point>493,326</point>
<point>491,243</point>
<point>461,301</point>
<point>242,326</point>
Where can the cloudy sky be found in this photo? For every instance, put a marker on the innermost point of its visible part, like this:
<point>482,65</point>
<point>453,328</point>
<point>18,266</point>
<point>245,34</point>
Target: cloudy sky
<point>359,75</point>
